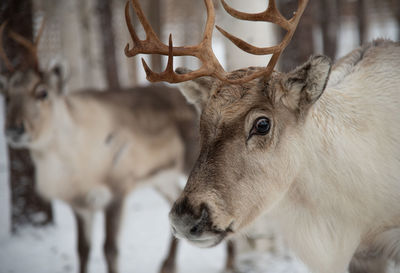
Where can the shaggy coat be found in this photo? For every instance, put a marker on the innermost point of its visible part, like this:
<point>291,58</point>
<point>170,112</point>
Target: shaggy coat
<point>327,170</point>
<point>91,149</point>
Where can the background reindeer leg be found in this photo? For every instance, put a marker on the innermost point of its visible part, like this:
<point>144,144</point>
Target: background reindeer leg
<point>169,188</point>
<point>230,256</point>
<point>113,216</point>
<point>169,264</point>
<point>84,220</point>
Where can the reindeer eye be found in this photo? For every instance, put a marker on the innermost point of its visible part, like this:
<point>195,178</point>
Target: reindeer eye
<point>261,126</point>
<point>41,94</point>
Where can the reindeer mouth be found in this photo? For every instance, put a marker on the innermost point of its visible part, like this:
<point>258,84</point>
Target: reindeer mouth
<point>208,240</point>
<point>209,237</point>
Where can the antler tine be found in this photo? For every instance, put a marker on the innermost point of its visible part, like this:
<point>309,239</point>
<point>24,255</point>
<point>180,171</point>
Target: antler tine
<point>146,25</point>
<point>246,46</point>
<point>3,54</point>
<point>32,47</point>
<point>299,12</point>
<point>271,14</point>
<point>28,45</point>
<point>208,29</point>
<point>169,70</point>
<point>131,29</point>
<point>151,43</point>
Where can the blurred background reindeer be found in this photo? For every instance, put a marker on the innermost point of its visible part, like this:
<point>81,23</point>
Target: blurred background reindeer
<point>91,35</point>
<point>90,149</point>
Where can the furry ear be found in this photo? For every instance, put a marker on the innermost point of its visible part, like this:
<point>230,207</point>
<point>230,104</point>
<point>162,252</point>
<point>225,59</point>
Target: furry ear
<point>305,84</point>
<point>3,85</point>
<point>196,91</point>
<point>57,75</point>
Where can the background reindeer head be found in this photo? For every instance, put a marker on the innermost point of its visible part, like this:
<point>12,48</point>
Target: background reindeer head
<point>30,93</point>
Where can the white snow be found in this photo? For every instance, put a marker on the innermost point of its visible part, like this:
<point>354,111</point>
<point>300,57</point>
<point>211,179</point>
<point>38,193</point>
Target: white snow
<point>143,244</point>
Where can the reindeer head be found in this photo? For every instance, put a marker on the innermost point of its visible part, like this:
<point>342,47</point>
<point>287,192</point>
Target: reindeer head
<point>249,153</point>
<point>29,92</point>
<point>250,120</point>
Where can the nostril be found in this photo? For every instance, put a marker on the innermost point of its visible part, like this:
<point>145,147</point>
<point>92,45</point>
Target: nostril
<point>195,230</point>
<point>198,228</point>
<point>188,221</point>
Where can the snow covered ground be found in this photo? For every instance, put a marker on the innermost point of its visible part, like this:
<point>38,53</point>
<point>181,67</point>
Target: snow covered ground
<point>143,245</point>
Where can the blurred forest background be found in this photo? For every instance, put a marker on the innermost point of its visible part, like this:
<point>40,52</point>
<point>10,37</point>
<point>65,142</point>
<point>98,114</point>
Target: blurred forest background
<point>90,36</point>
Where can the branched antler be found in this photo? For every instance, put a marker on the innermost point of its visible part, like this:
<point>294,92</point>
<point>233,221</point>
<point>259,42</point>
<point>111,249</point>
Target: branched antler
<point>203,51</point>
<point>271,14</point>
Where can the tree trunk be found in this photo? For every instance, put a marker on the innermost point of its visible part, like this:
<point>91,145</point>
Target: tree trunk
<point>396,6</point>
<point>302,44</point>
<point>154,7</point>
<point>27,206</point>
<point>88,61</point>
<point>108,43</point>
<point>329,22</point>
<point>361,21</point>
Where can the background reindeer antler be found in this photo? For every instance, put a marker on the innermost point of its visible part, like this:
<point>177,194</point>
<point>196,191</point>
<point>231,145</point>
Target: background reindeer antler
<point>3,54</point>
<point>32,47</point>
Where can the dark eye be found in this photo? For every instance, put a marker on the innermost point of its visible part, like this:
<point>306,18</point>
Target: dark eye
<point>261,126</point>
<point>41,94</point>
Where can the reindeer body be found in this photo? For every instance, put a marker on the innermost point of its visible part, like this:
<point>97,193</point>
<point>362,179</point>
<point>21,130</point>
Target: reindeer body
<point>107,143</point>
<point>326,168</point>
<point>91,149</point>
<point>344,199</point>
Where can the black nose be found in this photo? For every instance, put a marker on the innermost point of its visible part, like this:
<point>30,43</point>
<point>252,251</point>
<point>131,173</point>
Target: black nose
<point>15,130</point>
<point>186,223</point>
<point>199,225</point>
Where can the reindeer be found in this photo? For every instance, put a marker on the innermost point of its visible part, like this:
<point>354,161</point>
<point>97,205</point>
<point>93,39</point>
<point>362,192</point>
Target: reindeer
<point>91,149</point>
<point>317,148</point>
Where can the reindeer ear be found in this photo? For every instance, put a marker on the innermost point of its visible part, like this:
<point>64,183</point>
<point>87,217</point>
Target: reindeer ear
<point>57,75</point>
<point>196,91</point>
<point>305,84</point>
<point>3,85</point>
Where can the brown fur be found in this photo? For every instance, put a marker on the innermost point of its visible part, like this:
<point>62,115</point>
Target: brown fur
<point>327,170</point>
